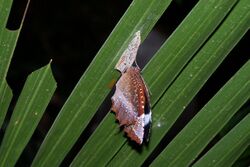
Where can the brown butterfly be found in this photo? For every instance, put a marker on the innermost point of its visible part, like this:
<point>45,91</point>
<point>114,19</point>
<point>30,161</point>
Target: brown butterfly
<point>130,101</point>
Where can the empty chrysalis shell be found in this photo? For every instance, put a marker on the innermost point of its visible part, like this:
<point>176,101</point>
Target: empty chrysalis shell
<point>130,101</point>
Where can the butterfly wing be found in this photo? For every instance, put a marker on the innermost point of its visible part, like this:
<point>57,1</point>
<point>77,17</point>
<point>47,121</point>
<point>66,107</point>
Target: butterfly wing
<point>131,105</point>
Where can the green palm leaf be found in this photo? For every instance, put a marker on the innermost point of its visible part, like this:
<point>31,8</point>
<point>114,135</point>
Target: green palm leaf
<point>208,122</point>
<point>188,83</point>
<point>29,109</point>
<point>8,41</point>
<point>174,76</point>
<point>93,86</point>
<point>222,155</point>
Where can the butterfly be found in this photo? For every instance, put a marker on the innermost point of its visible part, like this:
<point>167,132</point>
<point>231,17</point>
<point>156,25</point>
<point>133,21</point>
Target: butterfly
<point>131,102</point>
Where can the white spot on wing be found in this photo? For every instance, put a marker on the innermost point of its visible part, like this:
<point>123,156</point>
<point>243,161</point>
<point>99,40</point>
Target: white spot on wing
<point>140,129</point>
<point>147,118</point>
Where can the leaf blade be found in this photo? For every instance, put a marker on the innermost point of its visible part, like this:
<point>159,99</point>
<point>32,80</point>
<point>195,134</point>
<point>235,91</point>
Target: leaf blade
<point>29,109</point>
<point>190,81</point>
<point>194,137</point>
<point>93,145</point>
<point>71,121</point>
<point>5,99</point>
<point>8,40</point>
<point>238,140</point>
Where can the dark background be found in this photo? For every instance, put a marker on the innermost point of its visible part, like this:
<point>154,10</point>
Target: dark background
<point>71,33</point>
